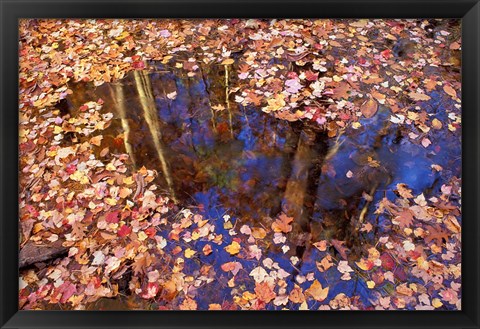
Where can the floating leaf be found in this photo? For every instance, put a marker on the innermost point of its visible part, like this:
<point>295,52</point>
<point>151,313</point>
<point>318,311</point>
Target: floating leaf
<point>317,292</point>
<point>369,108</point>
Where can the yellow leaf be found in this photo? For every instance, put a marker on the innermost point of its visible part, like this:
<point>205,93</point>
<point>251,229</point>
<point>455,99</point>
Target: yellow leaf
<point>111,201</point>
<point>123,35</point>
<point>233,248</point>
<point>436,124</point>
<point>228,61</point>
<point>356,125</point>
<point>370,284</point>
<point>317,292</point>
<point>437,303</point>
<point>258,233</point>
<point>166,59</point>
<point>189,253</point>
<point>142,236</point>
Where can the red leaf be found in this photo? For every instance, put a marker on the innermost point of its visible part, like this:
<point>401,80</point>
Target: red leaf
<point>124,231</point>
<point>386,53</point>
<point>138,65</point>
<point>112,217</point>
<point>311,76</point>
<point>388,263</point>
<point>150,232</point>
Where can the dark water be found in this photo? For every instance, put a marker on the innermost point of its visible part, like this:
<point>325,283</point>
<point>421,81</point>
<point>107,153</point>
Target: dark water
<point>252,166</point>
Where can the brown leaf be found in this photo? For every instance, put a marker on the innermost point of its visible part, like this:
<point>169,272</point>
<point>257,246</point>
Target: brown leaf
<point>369,108</point>
<point>405,218</point>
<point>436,233</point>
<point>339,246</point>
<point>78,230</point>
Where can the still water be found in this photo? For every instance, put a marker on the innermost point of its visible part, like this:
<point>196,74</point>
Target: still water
<point>251,165</point>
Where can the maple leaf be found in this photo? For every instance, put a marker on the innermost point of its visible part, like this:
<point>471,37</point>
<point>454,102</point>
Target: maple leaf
<point>388,262</point>
<point>293,85</point>
<point>150,291</point>
<point>282,224</point>
<point>112,217</point>
<point>365,264</point>
<point>264,292</point>
<point>124,231</point>
<point>258,233</point>
<point>342,90</point>
<point>404,218</point>
<point>310,76</point>
<point>317,292</point>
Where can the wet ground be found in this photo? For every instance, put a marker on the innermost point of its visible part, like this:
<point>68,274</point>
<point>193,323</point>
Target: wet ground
<point>252,166</point>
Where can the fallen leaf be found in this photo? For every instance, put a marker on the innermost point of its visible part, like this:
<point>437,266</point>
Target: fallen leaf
<point>418,96</point>
<point>264,292</point>
<point>369,108</point>
<point>228,61</point>
<point>450,91</point>
<point>233,248</point>
<point>317,292</point>
<point>282,224</point>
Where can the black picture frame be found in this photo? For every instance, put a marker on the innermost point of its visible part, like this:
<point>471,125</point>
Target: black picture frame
<point>12,10</point>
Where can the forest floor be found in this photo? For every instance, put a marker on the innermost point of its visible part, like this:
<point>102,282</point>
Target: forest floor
<point>240,164</point>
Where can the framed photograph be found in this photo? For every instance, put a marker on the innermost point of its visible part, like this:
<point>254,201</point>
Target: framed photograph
<point>208,163</point>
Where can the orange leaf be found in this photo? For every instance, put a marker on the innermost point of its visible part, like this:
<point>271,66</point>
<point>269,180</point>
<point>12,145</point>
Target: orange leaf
<point>418,96</point>
<point>450,91</point>
<point>282,224</point>
<point>264,292</point>
<point>296,295</point>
